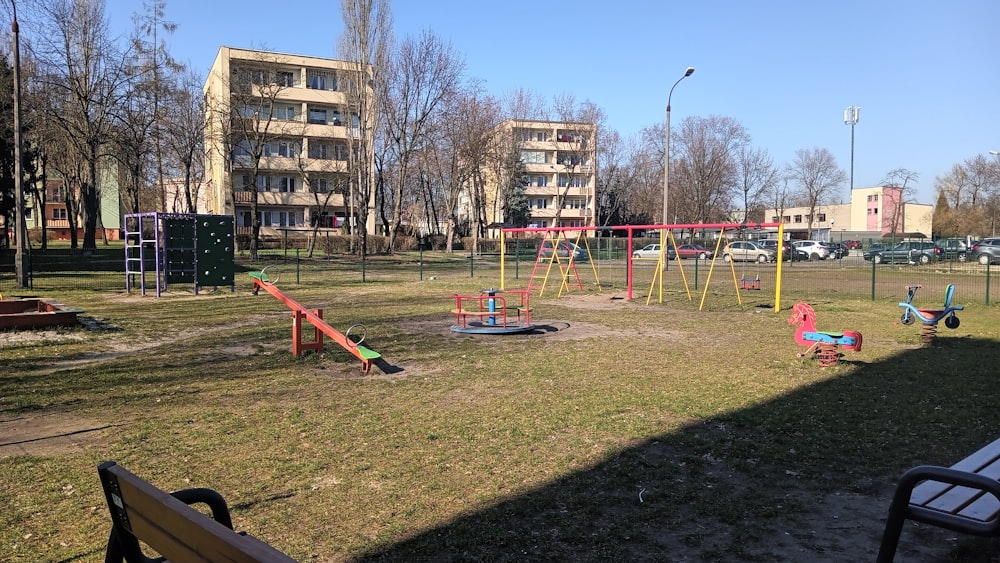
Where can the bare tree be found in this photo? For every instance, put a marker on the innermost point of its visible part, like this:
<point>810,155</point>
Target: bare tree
<point>366,44</point>
<point>87,75</point>
<point>705,177</point>
<point>757,176</point>
<point>969,197</point>
<point>423,73</point>
<point>159,70</point>
<point>817,176</point>
<point>185,139</point>
<point>524,105</point>
<point>902,180</point>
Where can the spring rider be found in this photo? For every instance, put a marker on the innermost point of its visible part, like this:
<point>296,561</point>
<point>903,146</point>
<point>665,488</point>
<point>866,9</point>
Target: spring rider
<point>823,344</point>
<point>930,317</point>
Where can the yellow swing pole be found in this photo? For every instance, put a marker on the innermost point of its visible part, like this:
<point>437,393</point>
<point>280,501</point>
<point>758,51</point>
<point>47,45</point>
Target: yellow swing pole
<point>503,262</point>
<point>658,272</point>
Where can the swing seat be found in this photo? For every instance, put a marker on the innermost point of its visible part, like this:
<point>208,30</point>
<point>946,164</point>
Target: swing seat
<point>750,284</point>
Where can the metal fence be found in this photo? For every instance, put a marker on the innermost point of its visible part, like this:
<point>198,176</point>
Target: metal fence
<point>608,270</point>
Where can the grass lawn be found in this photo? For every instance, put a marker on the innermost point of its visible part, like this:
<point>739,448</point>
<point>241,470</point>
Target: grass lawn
<point>617,431</point>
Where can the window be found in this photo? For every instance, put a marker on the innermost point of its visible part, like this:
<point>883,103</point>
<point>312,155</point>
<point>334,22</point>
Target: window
<point>774,218</point>
<point>541,203</point>
<point>281,147</point>
<point>286,184</point>
<point>798,218</point>
<point>285,78</point>
<point>786,219</point>
<point>538,181</point>
<point>821,217</point>
<point>533,157</point>
<point>59,213</point>
<point>286,113</point>
<point>319,80</point>
<point>572,181</point>
<point>320,150</point>
<point>322,185</point>
<point>263,183</point>
<point>317,116</point>
<point>573,203</point>
<point>533,135</point>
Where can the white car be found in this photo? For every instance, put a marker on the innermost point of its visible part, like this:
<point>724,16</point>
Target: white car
<point>648,251</point>
<point>816,249</point>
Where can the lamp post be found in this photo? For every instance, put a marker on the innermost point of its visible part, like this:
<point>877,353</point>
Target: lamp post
<point>993,227</point>
<point>666,148</point>
<point>20,256</point>
<point>851,116</point>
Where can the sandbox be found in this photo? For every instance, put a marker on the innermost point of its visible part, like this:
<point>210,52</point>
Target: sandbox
<point>35,313</point>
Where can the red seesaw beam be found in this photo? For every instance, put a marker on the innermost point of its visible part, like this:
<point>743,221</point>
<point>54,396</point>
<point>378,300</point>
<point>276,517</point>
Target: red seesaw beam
<point>320,327</point>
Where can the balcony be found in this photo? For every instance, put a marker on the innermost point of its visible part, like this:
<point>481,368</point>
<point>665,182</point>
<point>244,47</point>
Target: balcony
<point>293,199</point>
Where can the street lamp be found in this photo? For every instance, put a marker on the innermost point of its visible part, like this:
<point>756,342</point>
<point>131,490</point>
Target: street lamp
<point>851,116</point>
<point>666,148</point>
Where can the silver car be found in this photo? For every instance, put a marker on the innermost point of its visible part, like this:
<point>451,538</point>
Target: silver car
<point>745,251</point>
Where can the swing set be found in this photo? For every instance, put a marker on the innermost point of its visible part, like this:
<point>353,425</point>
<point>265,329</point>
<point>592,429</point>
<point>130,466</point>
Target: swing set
<point>557,254</point>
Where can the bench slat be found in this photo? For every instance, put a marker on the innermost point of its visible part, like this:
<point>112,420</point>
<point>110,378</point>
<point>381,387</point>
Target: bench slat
<point>984,509</point>
<point>181,533</point>
<point>954,499</point>
<point>928,490</point>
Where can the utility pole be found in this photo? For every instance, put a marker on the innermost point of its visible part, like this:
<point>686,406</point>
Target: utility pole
<point>20,256</point>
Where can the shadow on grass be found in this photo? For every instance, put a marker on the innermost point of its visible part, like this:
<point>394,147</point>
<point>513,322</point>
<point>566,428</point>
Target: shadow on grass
<point>754,484</point>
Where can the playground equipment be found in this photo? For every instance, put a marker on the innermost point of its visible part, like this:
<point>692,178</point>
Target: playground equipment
<point>930,317</point>
<point>320,327</point>
<point>487,313</point>
<point>718,230</point>
<point>823,344</point>
<point>750,283</point>
<point>179,248</point>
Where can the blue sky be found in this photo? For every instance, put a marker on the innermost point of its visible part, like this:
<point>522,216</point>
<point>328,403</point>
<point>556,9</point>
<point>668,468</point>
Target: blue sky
<point>925,73</point>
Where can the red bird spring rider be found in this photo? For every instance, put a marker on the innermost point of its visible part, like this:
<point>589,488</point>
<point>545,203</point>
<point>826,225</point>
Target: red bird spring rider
<point>824,344</point>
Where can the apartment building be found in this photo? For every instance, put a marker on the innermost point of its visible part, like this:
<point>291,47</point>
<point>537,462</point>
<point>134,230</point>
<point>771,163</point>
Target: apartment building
<point>286,127</point>
<point>560,163</point>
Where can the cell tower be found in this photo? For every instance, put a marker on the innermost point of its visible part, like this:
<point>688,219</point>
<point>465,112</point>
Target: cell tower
<point>851,116</point>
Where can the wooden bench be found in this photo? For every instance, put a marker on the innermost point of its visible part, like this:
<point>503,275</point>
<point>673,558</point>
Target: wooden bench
<point>165,522</point>
<point>964,498</point>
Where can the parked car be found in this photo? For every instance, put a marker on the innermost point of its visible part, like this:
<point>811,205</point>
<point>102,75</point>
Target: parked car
<point>839,250</point>
<point>986,251</point>
<point>953,249</point>
<point>772,243</point>
<point>852,244</point>
<point>564,250</point>
<point>745,251</point>
<point>872,249</point>
<point>648,251</point>
<point>692,251</point>
<point>908,252</point>
<point>817,249</point>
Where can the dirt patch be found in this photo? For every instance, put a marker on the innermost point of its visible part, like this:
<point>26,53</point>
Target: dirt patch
<point>48,434</point>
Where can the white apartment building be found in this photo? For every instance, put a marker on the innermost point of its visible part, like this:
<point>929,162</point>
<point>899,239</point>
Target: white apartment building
<point>560,162</point>
<point>297,113</point>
